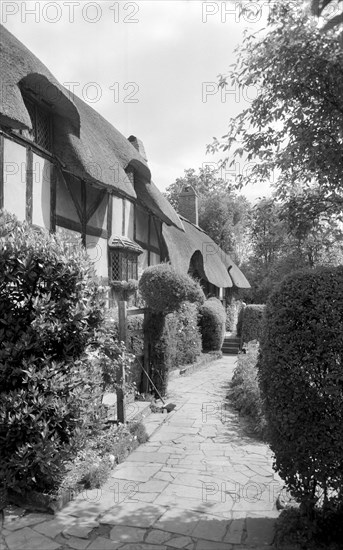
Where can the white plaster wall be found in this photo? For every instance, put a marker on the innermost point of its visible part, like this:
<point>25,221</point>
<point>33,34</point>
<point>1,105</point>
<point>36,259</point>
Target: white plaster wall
<point>41,178</point>
<point>97,252</point>
<point>117,216</point>
<point>15,178</point>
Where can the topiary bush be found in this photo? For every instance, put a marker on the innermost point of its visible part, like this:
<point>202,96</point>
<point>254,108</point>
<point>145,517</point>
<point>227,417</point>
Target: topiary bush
<point>50,312</point>
<point>252,318</point>
<point>164,289</point>
<point>301,378</point>
<point>212,319</point>
<point>175,341</point>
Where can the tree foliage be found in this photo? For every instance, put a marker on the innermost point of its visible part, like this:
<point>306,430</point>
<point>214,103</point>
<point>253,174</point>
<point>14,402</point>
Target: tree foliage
<point>292,129</point>
<point>223,214</point>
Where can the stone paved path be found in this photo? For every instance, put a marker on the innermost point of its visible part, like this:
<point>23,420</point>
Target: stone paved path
<point>198,484</point>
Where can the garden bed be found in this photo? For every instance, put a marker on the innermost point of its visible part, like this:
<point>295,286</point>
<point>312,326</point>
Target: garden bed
<point>90,469</point>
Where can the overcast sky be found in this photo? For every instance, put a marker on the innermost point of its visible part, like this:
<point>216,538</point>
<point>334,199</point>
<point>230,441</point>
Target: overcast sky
<point>150,67</point>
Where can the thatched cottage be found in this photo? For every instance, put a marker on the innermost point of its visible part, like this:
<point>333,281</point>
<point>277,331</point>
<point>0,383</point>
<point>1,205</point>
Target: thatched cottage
<point>62,165</point>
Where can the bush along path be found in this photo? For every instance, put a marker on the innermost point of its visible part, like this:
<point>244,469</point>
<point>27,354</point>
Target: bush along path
<point>199,483</point>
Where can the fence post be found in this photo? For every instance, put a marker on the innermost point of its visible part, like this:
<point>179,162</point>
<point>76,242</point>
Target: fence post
<point>121,405</point>
<point>146,359</point>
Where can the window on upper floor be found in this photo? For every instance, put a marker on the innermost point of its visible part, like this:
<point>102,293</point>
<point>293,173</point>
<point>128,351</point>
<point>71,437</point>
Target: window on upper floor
<point>41,119</point>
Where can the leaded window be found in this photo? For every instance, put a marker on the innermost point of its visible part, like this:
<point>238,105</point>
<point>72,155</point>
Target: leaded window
<point>123,259</point>
<point>41,132</point>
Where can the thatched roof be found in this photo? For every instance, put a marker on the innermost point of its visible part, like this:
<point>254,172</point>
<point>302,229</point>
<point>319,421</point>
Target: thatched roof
<point>238,279</point>
<point>101,153</point>
<point>19,68</point>
<point>215,263</point>
<point>152,198</point>
<point>87,145</point>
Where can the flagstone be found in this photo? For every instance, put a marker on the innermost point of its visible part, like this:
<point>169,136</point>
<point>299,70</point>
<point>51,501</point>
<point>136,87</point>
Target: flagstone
<point>100,543</point>
<point>210,528</point>
<point>179,542</point>
<point>235,531</point>
<point>260,531</point>
<point>54,527</point>
<point>30,540</point>
<point>136,514</point>
<point>135,471</point>
<point>181,521</point>
<point>73,542</point>
<point>141,546</point>
<point>141,456</point>
<point>127,534</point>
<point>25,521</point>
<point>164,476</point>
<point>158,537</point>
<point>80,530</point>
<point>208,545</point>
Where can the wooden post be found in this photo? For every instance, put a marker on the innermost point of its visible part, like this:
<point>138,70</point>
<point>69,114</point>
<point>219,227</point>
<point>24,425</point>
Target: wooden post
<point>121,405</point>
<point>145,380</point>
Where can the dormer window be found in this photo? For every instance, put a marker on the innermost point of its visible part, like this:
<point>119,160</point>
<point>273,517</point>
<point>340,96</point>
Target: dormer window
<point>41,119</point>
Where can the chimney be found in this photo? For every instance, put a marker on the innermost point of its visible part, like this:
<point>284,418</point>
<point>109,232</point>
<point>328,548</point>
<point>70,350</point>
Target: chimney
<point>138,144</point>
<point>188,204</point>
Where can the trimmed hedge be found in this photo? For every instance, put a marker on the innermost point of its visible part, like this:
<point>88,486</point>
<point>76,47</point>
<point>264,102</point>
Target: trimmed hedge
<point>301,378</point>
<point>212,324</point>
<point>244,392</point>
<point>164,289</point>
<point>252,322</point>
<point>175,341</point>
<point>232,313</point>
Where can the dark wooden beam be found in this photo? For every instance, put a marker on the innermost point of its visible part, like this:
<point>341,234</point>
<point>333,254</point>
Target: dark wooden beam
<point>53,181</point>
<point>2,175</point>
<point>84,212</point>
<point>159,236</point>
<point>123,218</point>
<point>152,248</point>
<point>149,238</point>
<point>29,182</point>
<point>134,221</point>
<point>109,214</point>
<point>76,226</point>
<point>93,207</point>
<point>68,186</point>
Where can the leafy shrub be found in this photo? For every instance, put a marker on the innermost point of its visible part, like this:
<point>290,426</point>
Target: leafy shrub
<point>301,377</point>
<point>134,343</point>
<point>252,322</point>
<point>137,429</point>
<point>212,319</point>
<point>92,466</point>
<point>50,310</point>
<point>175,340</point>
<point>323,531</point>
<point>244,392</point>
<point>164,289</point>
